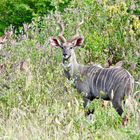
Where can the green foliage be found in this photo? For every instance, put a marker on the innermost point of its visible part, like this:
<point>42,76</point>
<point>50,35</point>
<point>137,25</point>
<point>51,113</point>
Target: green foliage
<point>110,32</point>
<point>48,107</point>
<point>17,12</point>
<point>36,100</point>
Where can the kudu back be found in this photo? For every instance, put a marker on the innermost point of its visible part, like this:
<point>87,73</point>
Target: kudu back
<point>115,82</point>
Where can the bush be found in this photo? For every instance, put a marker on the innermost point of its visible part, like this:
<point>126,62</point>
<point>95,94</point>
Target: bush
<point>36,100</point>
<point>110,31</point>
<point>22,11</point>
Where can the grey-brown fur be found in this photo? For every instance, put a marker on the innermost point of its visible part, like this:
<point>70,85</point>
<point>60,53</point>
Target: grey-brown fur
<point>114,82</point>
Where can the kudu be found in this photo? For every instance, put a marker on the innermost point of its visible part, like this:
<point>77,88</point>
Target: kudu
<point>115,82</point>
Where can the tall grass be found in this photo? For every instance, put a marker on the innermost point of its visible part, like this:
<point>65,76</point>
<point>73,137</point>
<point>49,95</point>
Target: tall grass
<point>38,102</point>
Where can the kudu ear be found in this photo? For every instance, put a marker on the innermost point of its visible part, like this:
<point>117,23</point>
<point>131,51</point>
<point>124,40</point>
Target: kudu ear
<point>78,41</point>
<point>54,42</point>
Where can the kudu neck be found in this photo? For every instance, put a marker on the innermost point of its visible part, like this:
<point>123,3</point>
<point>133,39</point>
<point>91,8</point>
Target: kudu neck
<point>73,59</point>
<point>73,67</point>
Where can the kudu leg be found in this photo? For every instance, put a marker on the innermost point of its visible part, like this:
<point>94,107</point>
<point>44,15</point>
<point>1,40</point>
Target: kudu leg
<point>86,102</point>
<point>117,104</point>
<point>88,112</point>
<point>118,107</point>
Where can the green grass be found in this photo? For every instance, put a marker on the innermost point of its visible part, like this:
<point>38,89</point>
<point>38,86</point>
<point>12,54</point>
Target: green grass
<point>37,102</point>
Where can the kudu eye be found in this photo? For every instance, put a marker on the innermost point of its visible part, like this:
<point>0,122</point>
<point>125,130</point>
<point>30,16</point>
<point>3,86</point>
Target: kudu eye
<point>62,47</point>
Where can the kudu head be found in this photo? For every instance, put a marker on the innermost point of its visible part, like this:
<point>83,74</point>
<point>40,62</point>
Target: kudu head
<point>67,46</point>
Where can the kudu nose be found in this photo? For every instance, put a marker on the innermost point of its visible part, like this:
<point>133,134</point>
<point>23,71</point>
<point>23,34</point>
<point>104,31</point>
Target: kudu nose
<point>64,54</point>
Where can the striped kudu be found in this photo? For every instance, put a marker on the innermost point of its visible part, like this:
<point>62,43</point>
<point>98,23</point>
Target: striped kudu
<point>115,82</point>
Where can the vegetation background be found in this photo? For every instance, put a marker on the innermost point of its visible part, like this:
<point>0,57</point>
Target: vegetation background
<point>36,100</point>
